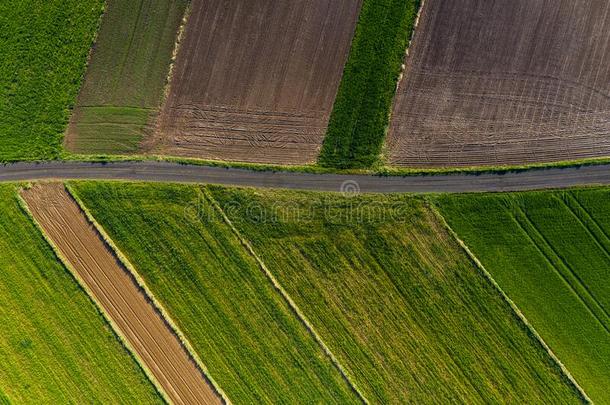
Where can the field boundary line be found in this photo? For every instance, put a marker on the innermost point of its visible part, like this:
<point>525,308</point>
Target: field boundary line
<point>83,286</point>
<point>153,140</point>
<point>66,138</point>
<point>148,294</point>
<point>591,226</point>
<point>385,150</point>
<point>525,322</point>
<point>549,253</point>
<point>278,287</point>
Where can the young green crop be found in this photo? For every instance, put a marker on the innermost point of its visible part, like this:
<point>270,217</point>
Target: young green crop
<point>360,116</point>
<point>251,342</point>
<point>394,297</point>
<point>55,347</point>
<point>550,256</point>
<point>43,47</point>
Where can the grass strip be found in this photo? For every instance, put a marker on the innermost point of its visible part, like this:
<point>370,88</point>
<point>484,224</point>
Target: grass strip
<point>360,115</point>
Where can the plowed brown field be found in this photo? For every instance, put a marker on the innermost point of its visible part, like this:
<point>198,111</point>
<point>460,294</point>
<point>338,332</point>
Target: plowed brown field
<point>255,80</point>
<point>495,82</point>
<point>114,289</point>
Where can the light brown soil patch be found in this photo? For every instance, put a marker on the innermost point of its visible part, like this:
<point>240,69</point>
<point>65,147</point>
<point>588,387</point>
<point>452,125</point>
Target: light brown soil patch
<point>114,289</point>
<point>256,80</point>
<point>496,82</point>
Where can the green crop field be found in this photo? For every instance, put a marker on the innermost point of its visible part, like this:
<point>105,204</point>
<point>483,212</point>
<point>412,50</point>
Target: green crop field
<point>360,116</point>
<point>43,49</point>
<point>126,76</point>
<point>393,296</point>
<point>248,338</point>
<point>55,347</point>
<point>549,251</point>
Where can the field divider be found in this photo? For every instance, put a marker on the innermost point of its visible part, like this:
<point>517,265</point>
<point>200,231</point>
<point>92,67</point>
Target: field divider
<point>154,139</point>
<point>520,316</point>
<point>278,287</point>
<point>81,283</point>
<point>563,269</point>
<point>148,293</point>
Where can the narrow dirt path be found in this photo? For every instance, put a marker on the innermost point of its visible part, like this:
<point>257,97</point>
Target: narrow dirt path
<point>115,291</point>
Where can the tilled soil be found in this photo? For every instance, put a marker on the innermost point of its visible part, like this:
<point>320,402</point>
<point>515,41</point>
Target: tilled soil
<point>496,82</point>
<point>256,80</point>
<point>114,289</point>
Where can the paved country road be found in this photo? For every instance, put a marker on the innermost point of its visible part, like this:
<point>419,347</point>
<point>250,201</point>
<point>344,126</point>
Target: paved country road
<point>156,171</point>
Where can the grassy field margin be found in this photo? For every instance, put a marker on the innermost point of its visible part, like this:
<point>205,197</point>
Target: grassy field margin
<point>384,171</point>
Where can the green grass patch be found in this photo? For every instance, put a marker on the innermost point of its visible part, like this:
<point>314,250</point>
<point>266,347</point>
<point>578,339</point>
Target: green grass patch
<point>55,347</point>
<point>397,301</point>
<point>549,251</point>
<point>360,116</point>
<point>128,70</point>
<point>254,347</point>
<point>44,46</point>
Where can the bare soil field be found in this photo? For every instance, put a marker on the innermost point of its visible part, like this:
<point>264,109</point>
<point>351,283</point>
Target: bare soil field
<point>114,289</point>
<point>248,86</point>
<point>495,82</point>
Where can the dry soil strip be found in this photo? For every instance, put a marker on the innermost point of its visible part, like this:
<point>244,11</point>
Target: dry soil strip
<point>114,290</point>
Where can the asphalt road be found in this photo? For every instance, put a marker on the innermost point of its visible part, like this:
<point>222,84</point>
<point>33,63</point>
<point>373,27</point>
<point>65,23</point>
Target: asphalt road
<point>154,171</point>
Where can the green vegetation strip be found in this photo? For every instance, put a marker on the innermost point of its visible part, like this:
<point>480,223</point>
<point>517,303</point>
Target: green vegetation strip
<point>379,171</point>
<point>44,46</point>
<point>395,298</point>
<point>360,117</point>
<point>126,76</point>
<point>550,252</point>
<point>55,347</point>
<point>251,342</point>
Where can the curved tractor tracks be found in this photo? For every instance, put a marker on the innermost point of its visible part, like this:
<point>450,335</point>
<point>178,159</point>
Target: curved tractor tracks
<point>159,171</point>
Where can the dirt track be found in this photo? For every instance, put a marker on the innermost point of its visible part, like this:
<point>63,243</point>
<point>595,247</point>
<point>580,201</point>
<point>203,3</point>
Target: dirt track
<point>247,86</point>
<point>497,82</point>
<point>117,293</point>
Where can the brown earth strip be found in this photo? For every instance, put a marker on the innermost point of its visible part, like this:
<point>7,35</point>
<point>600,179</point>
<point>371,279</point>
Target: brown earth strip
<point>256,80</point>
<point>495,82</point>
<point>117,293</point>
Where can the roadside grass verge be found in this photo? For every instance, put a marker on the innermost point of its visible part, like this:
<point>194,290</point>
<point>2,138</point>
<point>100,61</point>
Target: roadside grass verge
<point>126,76</point>
<point>250,341</point>
<point>54,344</point>
<point>360,116</point>
<point>402,307</point>
<point>316,169</point>
<point>549,253</point>
<point>44,47</point>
